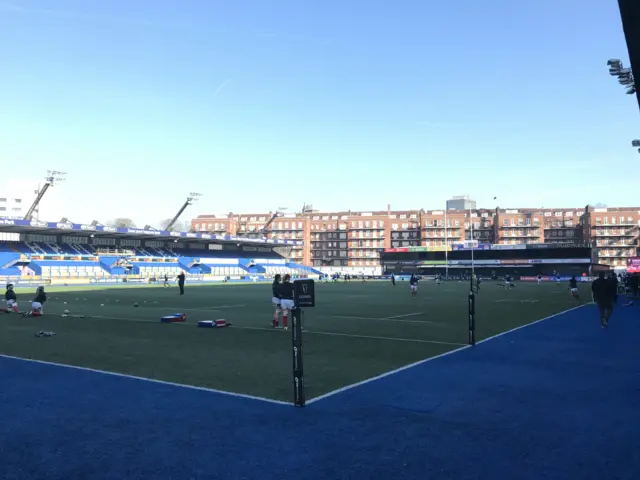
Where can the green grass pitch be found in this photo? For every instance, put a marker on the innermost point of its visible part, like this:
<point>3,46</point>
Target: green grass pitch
<point>357,331</point>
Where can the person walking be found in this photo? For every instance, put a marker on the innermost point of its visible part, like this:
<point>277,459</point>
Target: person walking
<point>604,296</point>
<point>181,279</point>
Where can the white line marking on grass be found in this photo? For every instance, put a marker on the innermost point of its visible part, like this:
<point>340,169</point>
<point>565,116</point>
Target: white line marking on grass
<point>403,316</point>
<point>269,329</point>
<point>151,380</point>
<point>350,335</point>
<point>397,339</point>
<point>178,309</point>
<point>389,319</point>
<point>129,319</point>
<point>493,337</point>
<point>383,375</point>
<point>421,362</point>
<point>358,318</point>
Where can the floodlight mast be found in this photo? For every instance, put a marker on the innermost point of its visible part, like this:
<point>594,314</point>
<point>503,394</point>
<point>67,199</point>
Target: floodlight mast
<point>53,177</point>
<point>279,212</point>
<point>625,75</point>
<point>191,199</point>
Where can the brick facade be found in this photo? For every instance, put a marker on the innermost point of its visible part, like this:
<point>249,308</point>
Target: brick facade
<point>341,239</point>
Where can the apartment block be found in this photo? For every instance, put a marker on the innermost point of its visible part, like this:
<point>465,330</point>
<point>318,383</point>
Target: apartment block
<point>355,239</point>
<point>613,233</point>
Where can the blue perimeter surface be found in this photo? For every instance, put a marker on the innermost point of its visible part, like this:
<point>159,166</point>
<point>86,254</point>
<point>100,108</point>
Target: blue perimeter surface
<point>557,400</point>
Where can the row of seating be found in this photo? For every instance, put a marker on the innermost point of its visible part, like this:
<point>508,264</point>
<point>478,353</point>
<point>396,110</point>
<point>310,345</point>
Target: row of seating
<point>41,248</point>
<point>215,262</point>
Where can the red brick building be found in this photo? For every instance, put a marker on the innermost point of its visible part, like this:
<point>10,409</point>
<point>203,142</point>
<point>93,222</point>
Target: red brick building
<point>354,239</point>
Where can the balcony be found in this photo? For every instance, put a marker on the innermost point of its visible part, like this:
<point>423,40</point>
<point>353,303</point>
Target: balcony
<point>631,232</point>
<point>520,235</point>
<point>615,225</point>
<point>405,244</point>
<point>369,237</point>
<point>327,239</point>
<point>556,227</point>
<point>605,244</point>
<point>535,225</point>
<point>619,254</point>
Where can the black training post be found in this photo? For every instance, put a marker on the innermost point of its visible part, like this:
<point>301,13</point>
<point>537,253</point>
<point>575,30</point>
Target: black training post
<point>298,368</point>
<point>472,309</point>
<point>304,296</point>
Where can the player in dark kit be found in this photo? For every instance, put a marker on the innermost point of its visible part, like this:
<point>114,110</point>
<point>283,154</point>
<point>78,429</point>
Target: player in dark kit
<point>12,300</point>
<point>413,283</point>
<point>166,280</point>
<point>613,278</point>
<point>285,293</point>
<point>604,297</point>
<point>635,285</point>
<point>181,279</point>
<point>38,302</point>
<point>393,279</point>
<point>573,286</point>
<point>275,300</point>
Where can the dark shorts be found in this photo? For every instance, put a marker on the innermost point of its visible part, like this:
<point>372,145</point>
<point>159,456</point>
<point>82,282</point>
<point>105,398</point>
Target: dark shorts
<point>605,305</point>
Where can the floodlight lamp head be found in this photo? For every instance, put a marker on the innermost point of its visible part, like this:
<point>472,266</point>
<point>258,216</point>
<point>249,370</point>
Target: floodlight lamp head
<point>635,143</point>
<point>613,62</point>
<point>54,176</point>
<point>193,197</point>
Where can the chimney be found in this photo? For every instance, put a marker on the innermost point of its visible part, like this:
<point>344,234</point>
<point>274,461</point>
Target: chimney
<point>389,209</point>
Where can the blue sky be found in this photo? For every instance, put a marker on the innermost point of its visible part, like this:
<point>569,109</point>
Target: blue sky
<point>345,104</point>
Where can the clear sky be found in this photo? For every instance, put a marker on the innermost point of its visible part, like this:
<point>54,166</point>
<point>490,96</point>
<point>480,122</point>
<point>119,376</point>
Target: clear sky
<point>345,104</point>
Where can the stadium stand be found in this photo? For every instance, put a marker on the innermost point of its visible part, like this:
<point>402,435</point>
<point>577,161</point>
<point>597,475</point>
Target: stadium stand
<point>63,261</point>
